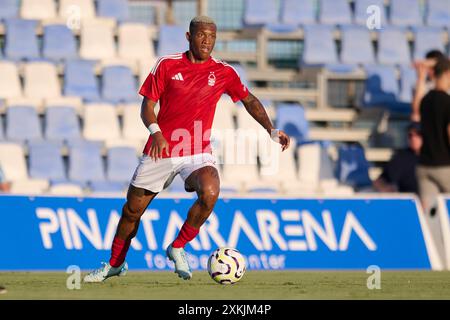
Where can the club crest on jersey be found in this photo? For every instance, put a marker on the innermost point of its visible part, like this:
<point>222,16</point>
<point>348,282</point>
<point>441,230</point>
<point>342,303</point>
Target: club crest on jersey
<point>211,79</point>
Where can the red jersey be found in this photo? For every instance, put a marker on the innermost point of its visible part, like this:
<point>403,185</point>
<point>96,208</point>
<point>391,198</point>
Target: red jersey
<point>188,93</point>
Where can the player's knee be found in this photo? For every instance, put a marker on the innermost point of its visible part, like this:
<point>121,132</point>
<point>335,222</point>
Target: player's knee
<point>131,213</point>
<point>208,198</point>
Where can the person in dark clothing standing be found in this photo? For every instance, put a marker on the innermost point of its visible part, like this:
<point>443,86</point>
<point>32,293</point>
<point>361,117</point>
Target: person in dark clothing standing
<point>399,174</point>
<point>433,172</point>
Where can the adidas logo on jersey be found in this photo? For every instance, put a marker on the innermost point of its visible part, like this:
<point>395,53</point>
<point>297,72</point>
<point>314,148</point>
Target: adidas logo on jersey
<point>178,76</point>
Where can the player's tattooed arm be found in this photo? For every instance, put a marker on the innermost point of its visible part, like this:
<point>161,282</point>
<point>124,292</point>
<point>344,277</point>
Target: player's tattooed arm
<point>257,111</point>
<point>255,108</point>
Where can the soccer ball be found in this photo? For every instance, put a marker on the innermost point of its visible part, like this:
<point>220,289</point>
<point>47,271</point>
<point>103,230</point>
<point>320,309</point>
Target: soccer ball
<point>226,265</point>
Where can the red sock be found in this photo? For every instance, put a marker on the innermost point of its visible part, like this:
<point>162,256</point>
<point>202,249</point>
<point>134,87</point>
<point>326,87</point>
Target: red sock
<point>119,250</point>
<point>186,234</point>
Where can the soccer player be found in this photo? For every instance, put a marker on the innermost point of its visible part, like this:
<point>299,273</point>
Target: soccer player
<point>188,86</point>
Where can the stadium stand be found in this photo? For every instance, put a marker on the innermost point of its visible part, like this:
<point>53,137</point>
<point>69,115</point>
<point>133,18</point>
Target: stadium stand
<point>313,61</point>
<point>59,43</point>
<point>46,162</point>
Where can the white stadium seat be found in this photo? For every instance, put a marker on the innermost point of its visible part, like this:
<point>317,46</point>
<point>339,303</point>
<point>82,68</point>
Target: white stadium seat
<point>38,9</point>
<point>9,80</point>
<point>35,87</point>
<point>100,122</point>
<point>66,189</point>
<point>133,127</point>
<point>76,9</point>
<point>135,42</point>
<point>29,186</point>
<point>97,40</point>
<point>12,161</point>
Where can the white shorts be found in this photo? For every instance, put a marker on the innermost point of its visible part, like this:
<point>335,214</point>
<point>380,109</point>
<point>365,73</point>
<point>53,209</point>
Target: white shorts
<point>156,176</point>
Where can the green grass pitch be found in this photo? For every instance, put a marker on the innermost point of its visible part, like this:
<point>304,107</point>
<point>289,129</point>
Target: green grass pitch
<point>258,285</point>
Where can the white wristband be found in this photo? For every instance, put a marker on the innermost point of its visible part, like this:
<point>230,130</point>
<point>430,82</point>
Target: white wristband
<point>274,135</point>
<point>153,128</point>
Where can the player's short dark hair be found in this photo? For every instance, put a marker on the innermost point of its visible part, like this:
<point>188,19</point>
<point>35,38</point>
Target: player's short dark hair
<point>441,67</point>
<point>199,20</point>
<point>434,54</point>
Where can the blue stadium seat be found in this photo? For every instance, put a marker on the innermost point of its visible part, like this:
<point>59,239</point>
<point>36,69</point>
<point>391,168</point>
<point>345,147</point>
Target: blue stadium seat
<point>107,186</point>
<point>119,85</point>
<point>9,9</point>
<point>61,124</point>
<point>438,13</point>
<point>408,79</point>
<point>22,123</point>
<point>85,162</point>
<point>319,48</point>
<point>260,12</point>
<point>59,42</point>
<point>172,40</point>
<point>356,46</point>
<point>117,9</point>
<point>382,89</point>
<point>393,46</point>
<point>406,13</point>
<point>80,80</point>
<point>21,40</point>
<point>361,14</point>
<point>335,12</point>
<point>298,13</point>
<point>121,163</point>
<point>426,39</point>
<point>352,167</point>
<point>46,162</point>
<point>291,119</point>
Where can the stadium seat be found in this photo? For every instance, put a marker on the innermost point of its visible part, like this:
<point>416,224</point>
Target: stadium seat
<point>352,167</point>
<point>101,122</point>
<point>9,9</point>
<point>12,161</point>
<point>29,186</point>
<point>80,80</point>
<point>2,134</point>
<point>393,54</point>
<point>356,46</point>
<point>426,39</point>
<point>406,13</point>
<point>361,14</point>
<point>22,123</point>
<point>97,40</point>
<point>59,43</point>
<point>291,119</point>
<point>298,13</point>
<point>133,128</point>
<point>223,117</point>
<point>335,12</point>
<point>319,46</point>
<point>438,13</point>
<point>65,189</point>
<point>135,43</point>
<point>260,12</point>
<point>38,9</point>
<point>21,40</point>
<point>105,187</point>
<point>35,87</point>
<point>45,161</point>
<point>119,85</point>
<point>85,162</point>
<point>72,9</point>
<point>172,40</point>
<point>408,79</point>
<point>309,164</point>
<point>117,9</point>
<point>121,163</point>
<point>61,123</point>
<point>9,80</point>
<point>381,86</point>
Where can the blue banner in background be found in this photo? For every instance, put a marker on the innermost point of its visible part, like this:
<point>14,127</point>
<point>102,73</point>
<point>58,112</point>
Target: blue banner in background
<point>50,233</point>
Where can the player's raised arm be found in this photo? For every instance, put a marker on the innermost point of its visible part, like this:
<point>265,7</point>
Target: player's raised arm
<point>255,108</point>
<point>148,116</point>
